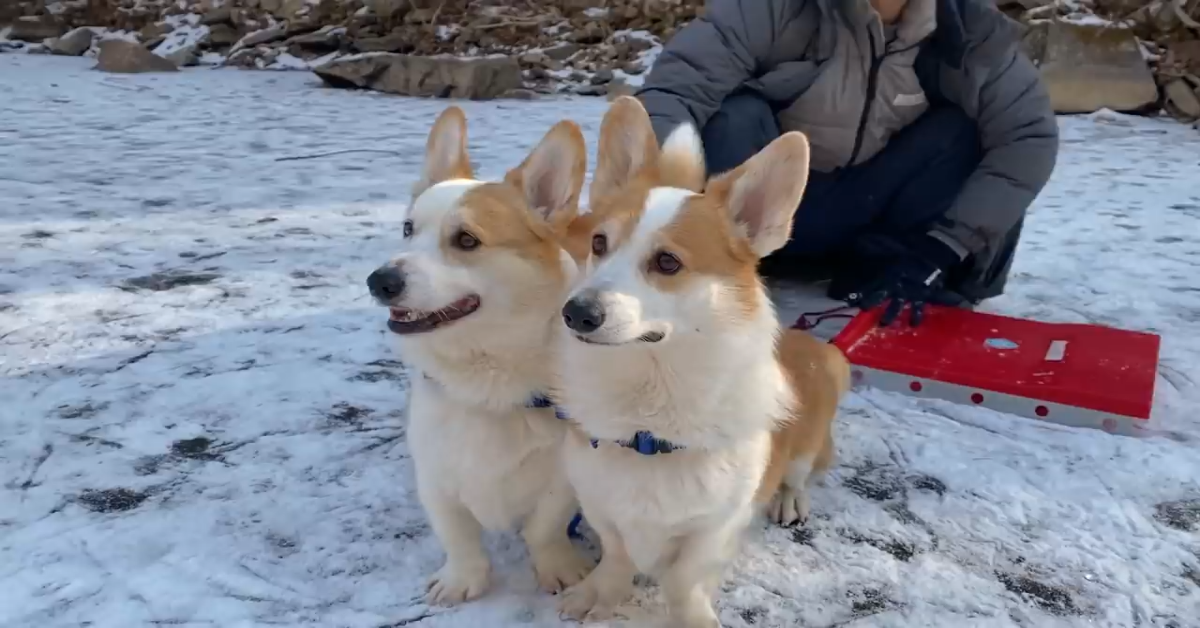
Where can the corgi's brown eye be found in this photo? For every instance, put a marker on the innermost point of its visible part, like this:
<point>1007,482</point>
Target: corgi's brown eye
<point>599,245</point>
<point>466,241</point>
<point>666,263</point>
<point>408,228</point>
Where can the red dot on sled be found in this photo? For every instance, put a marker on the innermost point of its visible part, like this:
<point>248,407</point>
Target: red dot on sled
<point>915,387</point>
<point>1041,411</point>
<point>1110,425</point>
<point>977,398</point>
<point>856,376</point>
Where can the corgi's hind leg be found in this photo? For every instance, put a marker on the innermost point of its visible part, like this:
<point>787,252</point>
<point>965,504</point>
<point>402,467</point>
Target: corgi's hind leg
<point>824,460</point>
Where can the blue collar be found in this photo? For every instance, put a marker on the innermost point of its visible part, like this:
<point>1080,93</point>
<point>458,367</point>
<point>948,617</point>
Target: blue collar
<point>645,443</point>
<point>538,400</point>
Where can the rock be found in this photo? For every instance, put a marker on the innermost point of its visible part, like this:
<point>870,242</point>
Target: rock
<point>1186,53</point>
<point>618,87</point>
<point>73,43</point>
<point>445,77</point>
<point>561,52</point>
<point>519,94</point>
<point>533,59</point>
<point>591,90</point>
<point>602,76</point>
<point>395,42</point>
<point>389,9</point>
<point>1033,43</point>
<point>127,57</point>
<point>1088,67</point>
<point>264,36</point>
<point>222,35</point>
<point>244,58</point>
<point>591,33</point>
<point>290,9</point>
<point>1181,95</point>
<point>219,15</point>
<point>184,56</point>
<point>151,32</point>
<point>35,29</point>
<point>326,39</point>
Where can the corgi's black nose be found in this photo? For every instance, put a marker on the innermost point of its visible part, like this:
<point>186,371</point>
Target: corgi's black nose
<point>583,314</point>
<point>386,283</point>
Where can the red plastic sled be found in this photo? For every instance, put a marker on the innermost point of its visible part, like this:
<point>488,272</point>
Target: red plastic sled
<point>1077,375</point>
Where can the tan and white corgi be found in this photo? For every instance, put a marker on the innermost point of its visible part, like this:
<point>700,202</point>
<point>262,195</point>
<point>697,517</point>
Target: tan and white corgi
<point>474,296</point>
<point>689,404</point>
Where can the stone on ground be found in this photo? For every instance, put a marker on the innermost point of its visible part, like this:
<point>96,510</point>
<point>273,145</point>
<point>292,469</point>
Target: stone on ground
<point>1089,67</point>
<point>408,75</point>
<point>73,43</point>
<point>127,57</point>
<point>35,29</point>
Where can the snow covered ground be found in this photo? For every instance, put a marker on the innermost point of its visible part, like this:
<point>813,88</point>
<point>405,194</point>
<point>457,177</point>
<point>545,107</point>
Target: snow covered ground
<point>201,417</point>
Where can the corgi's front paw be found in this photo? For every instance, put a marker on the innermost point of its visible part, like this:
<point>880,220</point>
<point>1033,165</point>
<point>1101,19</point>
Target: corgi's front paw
<point>582,601</point>
<point>559,567</point>
<point>455,584</point>
<point>789,507</point>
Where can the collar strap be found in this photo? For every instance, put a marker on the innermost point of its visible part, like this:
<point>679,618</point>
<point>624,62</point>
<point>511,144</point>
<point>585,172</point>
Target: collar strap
<point>645,443</point>
<point>536,400</point>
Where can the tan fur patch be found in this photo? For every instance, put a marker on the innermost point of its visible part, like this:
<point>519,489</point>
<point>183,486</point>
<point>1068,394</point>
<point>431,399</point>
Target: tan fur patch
<point>820,375</point>
<point>703,239</point>
<point>496,214</point>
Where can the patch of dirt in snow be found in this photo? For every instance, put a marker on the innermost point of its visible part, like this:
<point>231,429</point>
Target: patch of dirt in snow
<point>203,418</point>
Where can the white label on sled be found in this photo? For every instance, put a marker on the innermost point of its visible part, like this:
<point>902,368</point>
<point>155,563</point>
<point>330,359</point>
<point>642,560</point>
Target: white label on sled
<point>1058,349</point>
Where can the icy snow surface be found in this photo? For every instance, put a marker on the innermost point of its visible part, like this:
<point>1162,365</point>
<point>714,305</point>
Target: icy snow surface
<point>202,419</point>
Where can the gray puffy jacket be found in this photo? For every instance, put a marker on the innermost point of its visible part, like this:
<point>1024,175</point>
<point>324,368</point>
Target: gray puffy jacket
<point>814,57</point>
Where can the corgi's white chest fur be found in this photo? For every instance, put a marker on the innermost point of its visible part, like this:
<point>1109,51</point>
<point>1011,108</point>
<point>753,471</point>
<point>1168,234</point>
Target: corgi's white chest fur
<point>497,463</point>
<point>652,500</point>
<point>723,417</point>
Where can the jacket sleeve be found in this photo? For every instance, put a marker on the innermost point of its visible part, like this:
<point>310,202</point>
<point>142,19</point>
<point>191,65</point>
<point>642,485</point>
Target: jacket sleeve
<point>1019,138</point>
<point>709,59</point>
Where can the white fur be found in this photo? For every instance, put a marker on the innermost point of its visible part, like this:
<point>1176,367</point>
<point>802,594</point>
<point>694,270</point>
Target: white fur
<point>633,307</point>
<point>684,140</point>
<point>711,385</point>
<point>484,460</point>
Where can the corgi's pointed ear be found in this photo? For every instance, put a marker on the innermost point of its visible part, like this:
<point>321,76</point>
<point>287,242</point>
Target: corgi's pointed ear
<point>763,194</point>
<point>551,177</point>
<point>445,151</point>
<point>627,145</point>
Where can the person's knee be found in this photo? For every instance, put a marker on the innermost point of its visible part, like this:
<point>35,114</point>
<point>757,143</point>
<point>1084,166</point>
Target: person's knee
<point>741,111</point>
<point>744,125</point>
<point>955,132</point>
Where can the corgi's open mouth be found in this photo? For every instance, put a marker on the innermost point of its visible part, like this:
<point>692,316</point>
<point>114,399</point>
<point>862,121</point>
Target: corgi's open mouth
<point>402,320</point>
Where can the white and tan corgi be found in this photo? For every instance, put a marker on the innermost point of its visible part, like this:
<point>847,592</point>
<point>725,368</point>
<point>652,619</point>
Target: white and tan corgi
<point>474,296</point>
<point>691,409</point>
